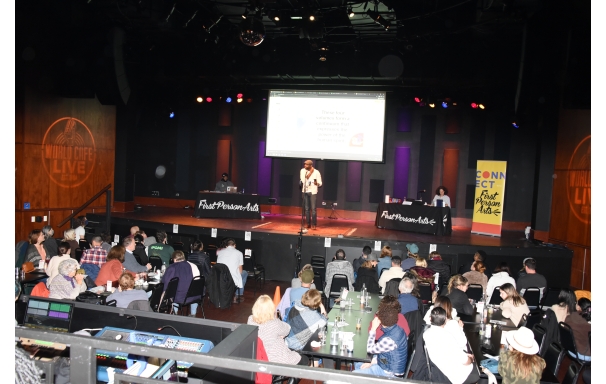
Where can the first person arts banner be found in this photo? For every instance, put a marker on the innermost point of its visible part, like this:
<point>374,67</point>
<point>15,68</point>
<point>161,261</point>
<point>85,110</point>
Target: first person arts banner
<point>489,198</point>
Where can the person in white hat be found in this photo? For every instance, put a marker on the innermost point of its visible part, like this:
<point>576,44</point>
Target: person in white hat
<point>520,363</point>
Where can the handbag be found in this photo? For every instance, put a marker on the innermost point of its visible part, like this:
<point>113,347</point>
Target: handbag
<point>491,364</point>
<point>89,297</point>
<point>28,267</point>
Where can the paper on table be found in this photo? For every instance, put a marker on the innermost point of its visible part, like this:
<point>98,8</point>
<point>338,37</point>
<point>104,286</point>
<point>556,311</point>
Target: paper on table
<point>344,324</point>
<point>316,344</point>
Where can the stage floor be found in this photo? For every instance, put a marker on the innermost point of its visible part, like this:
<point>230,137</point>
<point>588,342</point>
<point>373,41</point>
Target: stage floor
<point>352,229</point>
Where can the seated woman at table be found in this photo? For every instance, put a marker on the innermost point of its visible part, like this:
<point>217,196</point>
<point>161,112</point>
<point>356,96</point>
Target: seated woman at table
<point>367,276</point>
<point>67,284</point>
<point>113,268</point>
<point>304,319</point>
<point>445,351</point>
<point>567,302</point>
<point>520,362</point>
<point>457,286</point>
<point>513,305</point>
<point>70,236</point>
<point>476,275</point>
<point>52,268</point>
<point>384,260</point>
<point>126,292</point>
<point>390,351</point>
<point>580,322</point>
<point>424,274</point>
<point>453,324</point>
<point>441,193</point>
<point>35,250</point>
<point>500,276</point>
<point>272,332</point>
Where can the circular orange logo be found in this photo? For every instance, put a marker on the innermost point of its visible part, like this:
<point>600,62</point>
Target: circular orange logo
<point>579,181</point>
<point>68,152</point>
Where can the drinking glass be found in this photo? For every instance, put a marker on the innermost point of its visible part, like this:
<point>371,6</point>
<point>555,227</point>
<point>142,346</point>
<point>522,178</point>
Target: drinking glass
<point>358,324</point>
<point>322,335</point>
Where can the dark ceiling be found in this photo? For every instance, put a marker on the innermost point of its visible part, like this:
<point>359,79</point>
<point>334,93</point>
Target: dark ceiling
<point>73,47</point>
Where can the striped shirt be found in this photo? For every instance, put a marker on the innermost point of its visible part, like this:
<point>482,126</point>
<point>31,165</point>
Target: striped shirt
<point>96,255</point>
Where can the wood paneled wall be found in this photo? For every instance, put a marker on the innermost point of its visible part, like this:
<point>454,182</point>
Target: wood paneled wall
<point>571,197</point>
<point>58,169</point>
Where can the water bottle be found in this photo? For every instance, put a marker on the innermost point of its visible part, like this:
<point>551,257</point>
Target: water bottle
<point>364,292</point>
<point>163,267</point>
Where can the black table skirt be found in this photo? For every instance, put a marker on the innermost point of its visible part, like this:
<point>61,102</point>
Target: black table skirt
<point>227,205</point>
<point>414,218</point>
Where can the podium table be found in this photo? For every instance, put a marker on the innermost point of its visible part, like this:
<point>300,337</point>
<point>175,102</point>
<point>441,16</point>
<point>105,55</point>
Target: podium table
<point>227,205</point>
<point>414,218</point>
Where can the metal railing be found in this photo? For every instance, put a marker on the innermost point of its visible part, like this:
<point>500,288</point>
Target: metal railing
<point>108,207</point>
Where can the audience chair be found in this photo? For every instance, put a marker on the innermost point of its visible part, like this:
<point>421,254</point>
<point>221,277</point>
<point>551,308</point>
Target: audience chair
<point>550,297</point>
<point>411,353</point>
<point>532,296</point>
<point>139,305</point>
<point>426,293</point>
<point>572,374</point>
<point>338,281</point>
<point>111,303</point>
<point>534,317</point>
<point>168,298</point>
<point>496,299</point>
<point>78,254</point>
<point>255,271</point>
<point>156,262</point>
<point>196,288</point>
<point>569,344</point>
<point>156,296</point>
<point>553,357</point>
<point>475,292</point>
<point>392,287</point>
<point>83,244</point>
<point>318,261</point>
<point>539,335</point>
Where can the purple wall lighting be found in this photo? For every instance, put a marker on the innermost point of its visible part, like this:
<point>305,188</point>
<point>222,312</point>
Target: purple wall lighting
<point>400,172</point>
<point>404,120</point>
<point>264,172</point>
<point>354,181</point>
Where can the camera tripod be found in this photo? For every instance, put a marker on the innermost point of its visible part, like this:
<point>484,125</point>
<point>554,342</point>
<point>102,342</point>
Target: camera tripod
<point>333,213</point>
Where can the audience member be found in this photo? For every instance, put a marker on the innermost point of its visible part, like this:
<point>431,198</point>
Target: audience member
<point>521,363</point>
<point>50,244</point>
<point>130,262</point>
<point>185,273</point>
<point>70,236</point>
<point>384,260</point>
<point>436,263</point>
<point>424,274</point>
<point>304,319</point>
<point>412,255</point>
<point>307,278</point>
<point>395,272</point>
<point>367,276</point>
<point>161,248</point>
<point>95,255</point>
<point>513,305</point>
<point>390,351</point>
<point>113,268</point>
<point>52,268</point>
<point>80,223</point>
<point>531,278</point>
<point>67,284</point>
<point>566,305</point>
<point>107,241</point>
<point>476,275</point>
<point>408,302</point>
<point>200,258</point>
<point>126,292</point>
<point>140,251</point>
<point>580,323</point>
<point>296,281</point>
<point>339,265</point>
<point>272,332</point>
<point>234,260</point>
<point>500,276</point>
<point>457,286</point>
<point>445,350</point>
<point>133,230</point>
<point>480,255</point>
<point>358,262</point>
<point>35,250</point>
<point>454,325</point>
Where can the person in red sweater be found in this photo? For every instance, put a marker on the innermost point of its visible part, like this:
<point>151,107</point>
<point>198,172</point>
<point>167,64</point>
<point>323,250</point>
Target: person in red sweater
<point>113,268</point>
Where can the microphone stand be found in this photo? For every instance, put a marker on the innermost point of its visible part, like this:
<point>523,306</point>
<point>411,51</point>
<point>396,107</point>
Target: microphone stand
<point>302,230</point>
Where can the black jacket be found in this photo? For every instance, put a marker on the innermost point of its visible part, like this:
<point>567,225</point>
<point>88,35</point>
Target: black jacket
<point>459,301</point>
<point>443,268</point>
<point>220,286</point>
<point>423,368</point>
<point>369,277</point>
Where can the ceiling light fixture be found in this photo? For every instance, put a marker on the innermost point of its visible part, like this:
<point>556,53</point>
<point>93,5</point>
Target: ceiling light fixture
<point>350,12</point>
<point>245,14</point>
<point>199,99</point>
<point>312,17</point>
<point>252,31</point>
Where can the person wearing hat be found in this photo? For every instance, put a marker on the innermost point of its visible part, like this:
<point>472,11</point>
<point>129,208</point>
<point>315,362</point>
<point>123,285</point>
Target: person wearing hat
<point>411,260</point>
<point>520,362</point>
<point>222,184</point>
<point>395,272</point>
<point>368,276</point>
<point>307,278</point>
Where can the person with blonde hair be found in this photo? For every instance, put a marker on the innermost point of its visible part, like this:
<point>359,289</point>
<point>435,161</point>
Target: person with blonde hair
<point>304,319</point>
<point>424,274</point>
<point>476,275</point>
<point>272,332</point>
<point>457,286</point>
<point>126,292</point>
<point>69,236</point>
<point>520,362</point>
<point>513,305</point>
<point>384,260</point>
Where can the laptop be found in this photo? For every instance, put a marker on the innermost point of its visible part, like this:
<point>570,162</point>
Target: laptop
<point>232,189</point>
<point>49,315</point>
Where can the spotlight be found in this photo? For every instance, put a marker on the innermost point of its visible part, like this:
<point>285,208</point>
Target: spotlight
<point>444,104</point>
<point>312,18</point>
<point>432,105</point>
<point>322,56</point>
<point>515,125</point>
<point>228,99</point>
<point>474,105</point>
<point>171,114</point>
<point>239,100</point>
<point>276,18</point>
<point>350,12</point>
<point>199,99</point>
<point>418,99</point>
<point>239,96</point>
<point>481,106</point>
<point>252,31</point>
<point>209,99</point>
<point>245,14</point>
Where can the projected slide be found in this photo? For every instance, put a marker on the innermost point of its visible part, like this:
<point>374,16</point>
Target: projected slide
<point>330,125</point>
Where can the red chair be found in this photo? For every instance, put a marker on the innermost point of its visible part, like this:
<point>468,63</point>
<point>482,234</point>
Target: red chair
<point>262,378</point>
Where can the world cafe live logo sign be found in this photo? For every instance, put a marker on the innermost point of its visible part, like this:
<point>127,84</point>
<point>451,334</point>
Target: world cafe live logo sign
<point>579,181</point>
<point>68,152</point>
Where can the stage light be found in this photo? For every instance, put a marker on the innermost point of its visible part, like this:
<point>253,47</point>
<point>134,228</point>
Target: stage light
<point>481,106</point>
<point>350,12</point>
<point>444,104</point>
<point>209,99</point>
<point>249,100</point>
<point>474,105</point>
<point>322,56</point>
<point>312,18</point>
<point>239,96</point>
<point>252,31</point>
<point>323,46</point>
<point>171,114</point>
<point>276,18</point>
<point>432,105</point>
<point>245,14</point>
<point>239,100</point>
<point>199,99</point>
<point>228,99</point>
<point>417,100</point>
<point>515,125</point>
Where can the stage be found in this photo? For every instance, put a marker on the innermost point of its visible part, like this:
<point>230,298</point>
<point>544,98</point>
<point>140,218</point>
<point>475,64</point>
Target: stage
<point>274,240</point>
